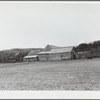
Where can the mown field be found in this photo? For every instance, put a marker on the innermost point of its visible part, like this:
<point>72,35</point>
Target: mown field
<point>54,75</point>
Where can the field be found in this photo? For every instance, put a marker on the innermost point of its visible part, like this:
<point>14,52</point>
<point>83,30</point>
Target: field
<point>54,75</point>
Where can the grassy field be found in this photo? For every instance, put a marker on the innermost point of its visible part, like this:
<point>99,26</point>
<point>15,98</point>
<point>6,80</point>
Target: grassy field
<point>55,75</point>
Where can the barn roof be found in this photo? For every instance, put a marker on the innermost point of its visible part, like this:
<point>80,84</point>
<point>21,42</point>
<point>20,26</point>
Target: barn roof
<point>53,46</point>
<point>58,50</point>
<point>44,52</point>
<point>62,49</point>
<point>33,52</point>
<point>49,47</point>
<point>32,56</point>
<point>84,52</point>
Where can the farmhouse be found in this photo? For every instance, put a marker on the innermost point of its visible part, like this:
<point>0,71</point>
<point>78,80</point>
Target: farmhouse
<point>18,57</point>
<point>32,56</point>
<point>59,53</point>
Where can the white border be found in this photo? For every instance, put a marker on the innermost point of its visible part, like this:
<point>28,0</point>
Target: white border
<point>51,94</point>
<point>68,2</point>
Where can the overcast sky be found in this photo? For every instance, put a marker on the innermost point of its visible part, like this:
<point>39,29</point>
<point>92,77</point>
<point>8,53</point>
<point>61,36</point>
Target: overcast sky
<point>33,25</point>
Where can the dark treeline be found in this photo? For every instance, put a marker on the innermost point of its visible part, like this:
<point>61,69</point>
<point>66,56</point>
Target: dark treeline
<point>93,48</point>
<point>14,55</point>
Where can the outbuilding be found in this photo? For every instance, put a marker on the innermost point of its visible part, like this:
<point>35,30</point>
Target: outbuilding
<point>82,55</point>
<point>32,56</point>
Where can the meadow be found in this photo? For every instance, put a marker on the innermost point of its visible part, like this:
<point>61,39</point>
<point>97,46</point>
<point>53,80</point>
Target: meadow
<point>81,74</point>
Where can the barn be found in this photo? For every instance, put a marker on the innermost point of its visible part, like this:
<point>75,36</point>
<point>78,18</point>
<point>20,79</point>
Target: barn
<point>32,56</point>
<point>44,55</point>
<point>61,53</point>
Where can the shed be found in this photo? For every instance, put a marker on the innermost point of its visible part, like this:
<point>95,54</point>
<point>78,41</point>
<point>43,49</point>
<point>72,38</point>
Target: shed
<point>32,56</point>
<point>83,55</point>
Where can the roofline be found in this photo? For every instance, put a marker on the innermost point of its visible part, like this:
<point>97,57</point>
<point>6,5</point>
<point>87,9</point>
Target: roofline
<point>49,52</point>
<point>30,56</point>
<point>54,52</point>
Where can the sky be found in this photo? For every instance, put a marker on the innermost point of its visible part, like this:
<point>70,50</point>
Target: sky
<point>36,24</point>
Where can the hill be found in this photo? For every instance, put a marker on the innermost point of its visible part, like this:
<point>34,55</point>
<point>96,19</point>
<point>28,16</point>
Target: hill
<point>5,55</point>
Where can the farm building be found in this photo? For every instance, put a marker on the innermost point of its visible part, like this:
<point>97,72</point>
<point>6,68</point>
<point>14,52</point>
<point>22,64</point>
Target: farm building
<point>18,57</point>
<point>61,53</point>
<point>95,53</point>
<point>82,55</point>
<point>32,56</point>
<point>45,53</point>
<point>43,56</point>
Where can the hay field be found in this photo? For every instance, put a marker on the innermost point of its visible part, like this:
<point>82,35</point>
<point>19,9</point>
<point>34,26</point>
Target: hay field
<point>54,75</point>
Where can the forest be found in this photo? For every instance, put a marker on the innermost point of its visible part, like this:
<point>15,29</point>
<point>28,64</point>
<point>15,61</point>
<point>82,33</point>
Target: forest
<point>93,48</point>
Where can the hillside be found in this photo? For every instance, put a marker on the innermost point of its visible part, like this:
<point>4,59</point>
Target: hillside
<point>5,55</point>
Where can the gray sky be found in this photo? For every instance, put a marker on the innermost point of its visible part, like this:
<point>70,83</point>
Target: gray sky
<point>29,25</point>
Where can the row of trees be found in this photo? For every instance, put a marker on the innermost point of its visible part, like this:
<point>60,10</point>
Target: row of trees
<point>93,48</point>
<point>13,55</point>
<point>88,46</point>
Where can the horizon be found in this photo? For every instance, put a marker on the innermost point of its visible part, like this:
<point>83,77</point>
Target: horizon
<point>34,25</point>
<point>48,44</point>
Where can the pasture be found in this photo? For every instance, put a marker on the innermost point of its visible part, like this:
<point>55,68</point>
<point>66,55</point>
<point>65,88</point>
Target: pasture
<point>53,75</point>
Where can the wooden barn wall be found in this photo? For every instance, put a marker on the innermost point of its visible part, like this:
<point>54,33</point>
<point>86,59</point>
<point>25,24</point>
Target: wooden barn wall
<point>43,57</point>
<point>60,56</point>
<point>55,56</point>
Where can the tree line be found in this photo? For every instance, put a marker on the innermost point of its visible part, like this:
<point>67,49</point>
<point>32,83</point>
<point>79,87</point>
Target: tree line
<point>93,48</point>
<point>13,55</point>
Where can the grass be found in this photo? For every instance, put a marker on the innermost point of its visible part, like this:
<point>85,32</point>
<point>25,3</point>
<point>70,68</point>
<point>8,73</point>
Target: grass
<point>54,75</point>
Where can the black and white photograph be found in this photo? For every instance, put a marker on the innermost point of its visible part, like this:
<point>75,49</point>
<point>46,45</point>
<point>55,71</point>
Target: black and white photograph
<point>49,46</point>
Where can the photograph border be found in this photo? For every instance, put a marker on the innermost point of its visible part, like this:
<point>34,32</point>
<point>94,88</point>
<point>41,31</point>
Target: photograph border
<point>50,94</point>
